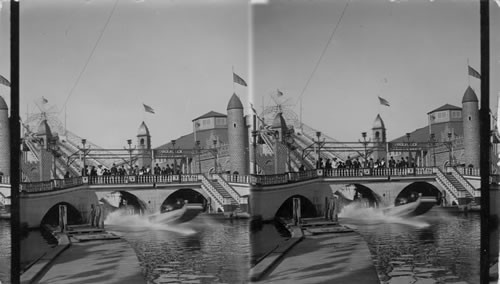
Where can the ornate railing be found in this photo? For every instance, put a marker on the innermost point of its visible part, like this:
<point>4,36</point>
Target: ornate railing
<point>51,185</point>
<point>243,179</point>
<point>4,179</point>
<point>466,171</point>
<point>234,194</point>
<point>352,172</point>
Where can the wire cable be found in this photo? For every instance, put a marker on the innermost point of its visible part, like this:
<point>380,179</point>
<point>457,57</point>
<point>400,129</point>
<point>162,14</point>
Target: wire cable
<point>323,52</point>
<point>90,56</point>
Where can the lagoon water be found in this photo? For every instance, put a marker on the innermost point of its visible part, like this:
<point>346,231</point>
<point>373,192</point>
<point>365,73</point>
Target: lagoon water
<point>5,246</point>
<point>204,250</point>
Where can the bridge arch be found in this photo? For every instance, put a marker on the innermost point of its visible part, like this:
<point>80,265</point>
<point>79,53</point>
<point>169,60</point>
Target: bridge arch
<point>122,199</point>
<point>189,194</point>
<point>307,208</point>
<point>358,192</point>
<point>51,217</point>
<point>412,191</point>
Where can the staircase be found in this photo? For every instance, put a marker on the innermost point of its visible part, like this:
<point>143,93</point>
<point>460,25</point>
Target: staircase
<point>223,192</point>
<point>458,185</point>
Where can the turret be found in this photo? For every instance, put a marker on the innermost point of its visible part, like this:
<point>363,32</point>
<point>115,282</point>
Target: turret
<point>379,139</point>
<point>237,136</point>
<point>144,146</point>
<point>470,120</point>
<point>279,128</point>
<point>44,135</point>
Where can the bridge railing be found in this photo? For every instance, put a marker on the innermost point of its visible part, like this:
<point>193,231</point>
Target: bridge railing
<point>55,184</point>
<point>243,179</point>
<point>212,191</point>
<point>448,186</point>
<point>359,172</point>
<point>466,171</point>
<point>4,179</point>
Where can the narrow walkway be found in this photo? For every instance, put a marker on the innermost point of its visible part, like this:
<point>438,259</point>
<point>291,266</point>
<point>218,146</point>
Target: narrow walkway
<point>112,261</point>
<point>330,258</point>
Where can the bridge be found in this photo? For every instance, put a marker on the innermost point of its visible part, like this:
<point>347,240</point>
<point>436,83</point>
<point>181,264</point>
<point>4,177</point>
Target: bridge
<point>144,194</point>
<point>271,195</point>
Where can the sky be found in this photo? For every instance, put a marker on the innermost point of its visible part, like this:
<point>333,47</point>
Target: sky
<point>104,59</point>
<point>411,53</point>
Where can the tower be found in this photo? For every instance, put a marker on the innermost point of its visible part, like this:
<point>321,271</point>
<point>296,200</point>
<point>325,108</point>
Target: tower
<point>144,146</point>
<point>237,136</point>
<point>379,139</point>
<point>44,136</point>
<point>4,138</point>
<point>280,152</point>
<point>470,120</point>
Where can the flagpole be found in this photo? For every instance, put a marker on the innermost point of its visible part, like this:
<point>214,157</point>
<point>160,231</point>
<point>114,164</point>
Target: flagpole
<point>232,68</point>
<point>468,75</point>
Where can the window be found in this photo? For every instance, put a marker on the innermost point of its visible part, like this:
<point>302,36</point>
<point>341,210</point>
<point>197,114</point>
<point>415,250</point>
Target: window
<point>456,114</point>
<point>142,141</point>
<point>220,121</point>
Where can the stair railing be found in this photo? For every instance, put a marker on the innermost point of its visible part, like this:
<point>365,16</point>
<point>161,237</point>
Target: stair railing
<point>466,184</point>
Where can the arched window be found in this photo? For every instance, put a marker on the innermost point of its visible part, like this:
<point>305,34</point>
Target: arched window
<point>142,141</point>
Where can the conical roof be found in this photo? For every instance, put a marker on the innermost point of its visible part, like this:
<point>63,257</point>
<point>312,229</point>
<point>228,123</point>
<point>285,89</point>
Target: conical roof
<point>3,105</point>
<point>143,130</point>
<point>44,128</point>
<point>279,121</point>
<point>378,123</point>
<point>234,103</point>
<point>469,96</point>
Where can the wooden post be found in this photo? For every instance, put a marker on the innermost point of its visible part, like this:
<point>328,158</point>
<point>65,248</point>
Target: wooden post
<point>296,211</point>
<point>63,218</point>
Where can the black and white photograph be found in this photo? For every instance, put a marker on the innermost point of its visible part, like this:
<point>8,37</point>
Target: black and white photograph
<point>240,141</point>
<point>368,141</point>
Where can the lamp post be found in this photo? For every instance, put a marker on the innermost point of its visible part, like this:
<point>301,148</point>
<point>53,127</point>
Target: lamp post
<point>54,150</point>
<point>276,144</point>
<point>450,149</point>
<point>433,137</point>
<point>175,160</point>
<point>409,153</point>
<point>215,155</point>
<point>199,155</point>
<point>365,144</point>
<point>84,141</point>
<point>129,142</point>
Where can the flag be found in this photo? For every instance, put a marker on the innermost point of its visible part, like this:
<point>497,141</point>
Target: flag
<point>237,79</point>
<point>280,93</point>
<point>474,73</point>
<point>383,101</point>
<point>4,81</point>
<point>44,100</point>
<point>148,109</point>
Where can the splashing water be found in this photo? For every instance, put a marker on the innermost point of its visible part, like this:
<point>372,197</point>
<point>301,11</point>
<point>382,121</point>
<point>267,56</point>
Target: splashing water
<point>119,219</point>
<point>357,212</point>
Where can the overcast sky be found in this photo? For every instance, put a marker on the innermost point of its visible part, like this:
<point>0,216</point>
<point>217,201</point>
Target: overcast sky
<point>177,56</point>
<point>412,53</point>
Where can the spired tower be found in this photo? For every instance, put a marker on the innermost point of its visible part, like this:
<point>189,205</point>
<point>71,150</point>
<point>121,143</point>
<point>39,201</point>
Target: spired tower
<point>4,138</point>
<point>280,156</point>
<point>379,139</point>
<point>45,158</point>
<point>470,120</point>
<point>144,146</point>
<point>237,136</point>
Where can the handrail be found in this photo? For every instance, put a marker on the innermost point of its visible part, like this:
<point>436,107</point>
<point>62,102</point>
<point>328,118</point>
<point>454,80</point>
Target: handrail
<point>211,190</point>
<point>234,194</point>
<point>466,171</point>
<point>443,180</point>
<point>243,179</point>
<point>474,192</point>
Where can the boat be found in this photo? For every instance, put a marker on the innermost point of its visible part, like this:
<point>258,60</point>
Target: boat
<point>415,208</point>
<point>176,216</point>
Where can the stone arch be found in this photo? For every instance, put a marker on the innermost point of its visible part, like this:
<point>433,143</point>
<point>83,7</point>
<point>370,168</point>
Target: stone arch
<point>416,188</point>
<point>131,201</point>
<point>358,192</point>
<point>51,217</point>
<point>181,194</point>
<point>307,207</point>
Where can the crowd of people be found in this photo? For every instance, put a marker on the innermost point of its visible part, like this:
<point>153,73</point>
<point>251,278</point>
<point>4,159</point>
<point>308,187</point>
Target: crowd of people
<point>115,170</point>
<point>355,163</point>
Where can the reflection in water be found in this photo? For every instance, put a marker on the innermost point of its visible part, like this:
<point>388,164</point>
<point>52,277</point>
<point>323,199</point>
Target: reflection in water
<point>203,250</point>
<point>5,246</point>
<point>437,247</point>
